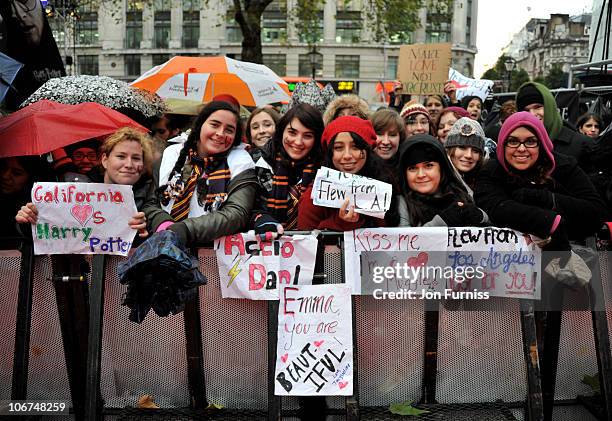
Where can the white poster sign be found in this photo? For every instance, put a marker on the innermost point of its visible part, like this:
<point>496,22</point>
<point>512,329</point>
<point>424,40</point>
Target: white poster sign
<point>315,341</point>
<point>253,269</point>
<point>469,87</point>
<point>83,218</point>
<point>370,197</point>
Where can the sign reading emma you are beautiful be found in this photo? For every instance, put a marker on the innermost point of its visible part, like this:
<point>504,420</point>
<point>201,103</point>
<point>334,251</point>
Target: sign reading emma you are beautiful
<point>370,197</point>
<point>83,218</point>
<point>502,262</point>
<point>254,269</point>
<point>315,341</point>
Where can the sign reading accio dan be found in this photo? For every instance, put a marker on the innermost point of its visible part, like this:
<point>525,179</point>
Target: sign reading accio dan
<point>423,68</point>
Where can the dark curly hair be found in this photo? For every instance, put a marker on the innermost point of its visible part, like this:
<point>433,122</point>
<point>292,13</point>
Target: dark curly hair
<point>311,118</point>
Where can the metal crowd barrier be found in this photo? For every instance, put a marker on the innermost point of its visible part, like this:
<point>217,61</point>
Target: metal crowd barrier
<point>70,339</point>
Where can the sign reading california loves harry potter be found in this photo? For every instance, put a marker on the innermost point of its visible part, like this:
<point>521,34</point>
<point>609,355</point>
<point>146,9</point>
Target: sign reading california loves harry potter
<point>83,218</point>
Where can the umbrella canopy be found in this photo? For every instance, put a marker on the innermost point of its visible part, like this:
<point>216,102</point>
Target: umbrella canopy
<point>104,90</point>
<point>8,71</point>
<point>183,81</point>
<point>46,125</point>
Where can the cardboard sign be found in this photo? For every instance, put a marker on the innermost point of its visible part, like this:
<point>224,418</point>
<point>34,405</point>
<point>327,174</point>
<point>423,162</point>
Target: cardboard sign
<point>370,197</point>
<point>83,218</point>
<point>254,269</point>
<point>315,341</point>
<point>502,262</point>
<point>470,87</point>
<point>423,68</point>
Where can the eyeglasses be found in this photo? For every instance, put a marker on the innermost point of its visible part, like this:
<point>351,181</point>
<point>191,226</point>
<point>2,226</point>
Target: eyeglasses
<point>79,156</point>
<point>25,5</point>
<point>529,143</point>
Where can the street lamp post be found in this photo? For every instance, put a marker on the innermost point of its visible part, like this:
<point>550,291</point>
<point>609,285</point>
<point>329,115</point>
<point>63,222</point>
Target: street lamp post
<point>313,54</point>
<point>510,64</point>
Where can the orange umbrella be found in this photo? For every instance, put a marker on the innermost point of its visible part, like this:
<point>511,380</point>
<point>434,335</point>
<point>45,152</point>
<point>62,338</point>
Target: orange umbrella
<point>183,81</point>
<point>46,125</point>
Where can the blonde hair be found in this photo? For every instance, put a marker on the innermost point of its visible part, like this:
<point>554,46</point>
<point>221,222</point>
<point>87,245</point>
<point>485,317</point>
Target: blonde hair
<point>132,135</point>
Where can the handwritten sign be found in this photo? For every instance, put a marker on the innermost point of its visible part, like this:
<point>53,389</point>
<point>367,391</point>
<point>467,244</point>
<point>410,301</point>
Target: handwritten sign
<point>315,341</point>
<point>83,218</point>
<point>254,269</point>
<point>370,197</point>
<point>423,68</point>
<point>499,261</point>
<point>469,87</point>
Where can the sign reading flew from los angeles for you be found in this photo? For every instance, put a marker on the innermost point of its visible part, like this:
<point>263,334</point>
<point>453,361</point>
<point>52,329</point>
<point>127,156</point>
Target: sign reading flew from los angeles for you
<point>315,342</point>
<point>83,218</point>
<point>423,68</point>
<point>254,269</point>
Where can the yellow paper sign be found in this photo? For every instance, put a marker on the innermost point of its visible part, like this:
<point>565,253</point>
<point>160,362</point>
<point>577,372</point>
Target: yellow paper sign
<point>423,68</point>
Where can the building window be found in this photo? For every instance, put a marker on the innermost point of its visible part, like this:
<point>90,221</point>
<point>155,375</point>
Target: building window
<point>87,28</point>
<point>348,27</point>
<point>439,17</point>
<point>273,26</point>
<point>305,65</point>
<point>233,33</point>
<point>391,71</point>
<point>88,65</point>
<point>347,66</point>
<point>191,23</point>
<point>57,29</point>
<point>161,36</point>
<point>158,59</point>
<point>133,29</point>
<point>132,64</point>
<point>276,62</point>
<point>317,34</point>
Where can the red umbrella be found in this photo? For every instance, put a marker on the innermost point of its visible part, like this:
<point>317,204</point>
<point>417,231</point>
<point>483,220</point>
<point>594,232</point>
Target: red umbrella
<point>45,126</point>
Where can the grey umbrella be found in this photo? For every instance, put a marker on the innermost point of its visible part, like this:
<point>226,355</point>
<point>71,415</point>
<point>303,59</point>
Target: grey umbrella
<point>104,90</point>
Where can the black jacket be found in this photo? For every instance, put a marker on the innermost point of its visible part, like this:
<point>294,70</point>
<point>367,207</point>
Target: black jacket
<point>577,145</point>
<point>576,200</point>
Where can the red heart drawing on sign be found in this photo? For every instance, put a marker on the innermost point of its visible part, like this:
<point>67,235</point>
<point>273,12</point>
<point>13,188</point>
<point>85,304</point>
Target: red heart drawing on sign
<point>284,358</point>
<point>318,343</point>
<point>82,213</point>
<point>342,385</point>
<point>419,260</point>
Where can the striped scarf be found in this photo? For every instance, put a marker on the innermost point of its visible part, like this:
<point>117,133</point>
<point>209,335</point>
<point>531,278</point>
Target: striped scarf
<point>209,175</point>
<point>290,179</point>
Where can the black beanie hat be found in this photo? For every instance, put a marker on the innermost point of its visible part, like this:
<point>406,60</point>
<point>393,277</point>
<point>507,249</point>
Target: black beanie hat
<point>420,154</point>
<point>528,95</point>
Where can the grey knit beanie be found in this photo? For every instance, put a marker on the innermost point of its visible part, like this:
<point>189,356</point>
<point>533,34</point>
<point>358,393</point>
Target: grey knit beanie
<point>466,132</point>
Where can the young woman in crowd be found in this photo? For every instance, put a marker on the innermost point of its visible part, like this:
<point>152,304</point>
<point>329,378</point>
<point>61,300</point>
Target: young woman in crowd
<point>285,167</point>
<point>347,144</point>
<point>432,193</point>
<point>465,148</point>
<point>590,124</point>
<point>417,119</point>
<point>532,189</point>
<point>346,105</point>
<point>205,188</point>
<point>261,126</point>
<point>446,119</point>
<point>434,104</point>
<point>473,105</point>
<point>390,133</point>
<point>125,158</point>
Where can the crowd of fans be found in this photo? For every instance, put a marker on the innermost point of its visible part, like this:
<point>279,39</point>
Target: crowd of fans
<point>220,174</point>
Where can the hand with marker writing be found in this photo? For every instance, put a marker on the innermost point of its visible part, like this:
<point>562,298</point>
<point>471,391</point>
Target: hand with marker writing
<point>347,213</point>
<point>139,222</point>
<point>268,228</point>
<point>27,214</point>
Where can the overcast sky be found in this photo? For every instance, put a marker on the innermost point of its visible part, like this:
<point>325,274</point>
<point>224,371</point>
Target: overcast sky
<point>499,20</point>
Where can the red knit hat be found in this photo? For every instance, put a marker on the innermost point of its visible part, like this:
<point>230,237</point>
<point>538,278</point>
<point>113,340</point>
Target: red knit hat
<point>350,124</point>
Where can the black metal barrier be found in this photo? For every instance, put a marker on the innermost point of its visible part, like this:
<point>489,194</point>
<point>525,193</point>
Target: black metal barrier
<point>66,337</point>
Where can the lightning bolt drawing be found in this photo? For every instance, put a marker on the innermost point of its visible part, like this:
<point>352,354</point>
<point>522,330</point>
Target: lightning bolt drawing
<point>233,272</point>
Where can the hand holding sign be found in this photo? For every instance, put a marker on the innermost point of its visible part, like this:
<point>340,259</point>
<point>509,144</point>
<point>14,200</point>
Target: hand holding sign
<point>367,196</point>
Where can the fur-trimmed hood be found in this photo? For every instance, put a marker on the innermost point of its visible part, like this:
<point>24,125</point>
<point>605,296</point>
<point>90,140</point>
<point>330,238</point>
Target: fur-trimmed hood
<point>354,102</point>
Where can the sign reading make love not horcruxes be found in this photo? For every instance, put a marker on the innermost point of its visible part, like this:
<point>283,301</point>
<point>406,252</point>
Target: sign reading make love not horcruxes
<point>83,218</point>
<point>370,197</point>
<point>315,341</point>
<point>423,68</point>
